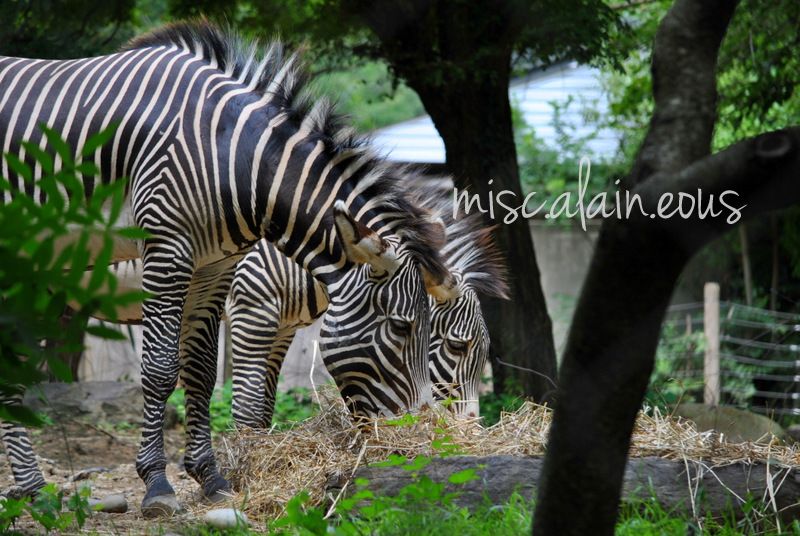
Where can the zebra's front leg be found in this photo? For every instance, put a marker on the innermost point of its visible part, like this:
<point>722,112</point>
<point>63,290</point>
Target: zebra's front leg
<point>162,314</point>
<point>199,351</point>
<point>28,479</point>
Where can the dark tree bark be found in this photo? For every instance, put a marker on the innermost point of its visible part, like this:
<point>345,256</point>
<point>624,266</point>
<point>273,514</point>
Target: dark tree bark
<point>614,334</point>
<point>70,358</point>
<point>464,87</point>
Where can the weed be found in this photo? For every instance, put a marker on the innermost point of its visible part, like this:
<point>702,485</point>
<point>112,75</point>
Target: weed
<point>47,509</point>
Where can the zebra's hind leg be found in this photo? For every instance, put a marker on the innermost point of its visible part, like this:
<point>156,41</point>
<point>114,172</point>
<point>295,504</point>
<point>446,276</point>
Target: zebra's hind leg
<point>253,330</point>
<point>28,479</point>
<point>280,346</point>
<point>162,315</point>
<point>199,350</point>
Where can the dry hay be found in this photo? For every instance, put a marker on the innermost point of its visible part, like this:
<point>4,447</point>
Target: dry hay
<point>270,468</point>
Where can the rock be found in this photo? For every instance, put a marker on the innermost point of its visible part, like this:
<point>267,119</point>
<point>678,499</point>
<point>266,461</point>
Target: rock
<point>83,474</point>
<point>794,433</point>
<point>161,506</point>
<point>500,476</point>
<point>735,425</point>
<point>226,518</point>
<point>112,504</point>
<point>114,402</point>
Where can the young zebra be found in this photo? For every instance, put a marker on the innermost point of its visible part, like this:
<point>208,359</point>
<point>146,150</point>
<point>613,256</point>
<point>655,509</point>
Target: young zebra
<point>223,147</point>
<point>271,298</point>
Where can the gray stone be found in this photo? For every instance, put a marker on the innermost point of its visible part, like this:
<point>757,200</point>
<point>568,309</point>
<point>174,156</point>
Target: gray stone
<point>226,518</point>
<point>793,433</point>
<point>112,504</point>
<point>500,476</point>
<point>83,474</point>
<point>735,425</point>
<point>161,506</point>
<point>95,402</point>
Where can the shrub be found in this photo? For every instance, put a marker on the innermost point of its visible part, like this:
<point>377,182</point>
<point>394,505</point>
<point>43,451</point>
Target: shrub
<point>38,277</point>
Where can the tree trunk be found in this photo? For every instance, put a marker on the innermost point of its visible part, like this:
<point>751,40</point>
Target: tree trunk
<point>457,57</point>
<point>475,124</point>
<point>747,271</point>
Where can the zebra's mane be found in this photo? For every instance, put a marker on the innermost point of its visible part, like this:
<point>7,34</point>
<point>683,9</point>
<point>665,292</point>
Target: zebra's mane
<point>470,248</point>
<point>269,70</point>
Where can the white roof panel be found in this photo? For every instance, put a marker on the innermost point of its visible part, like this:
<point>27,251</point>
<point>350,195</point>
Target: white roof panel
<point>416,140</point>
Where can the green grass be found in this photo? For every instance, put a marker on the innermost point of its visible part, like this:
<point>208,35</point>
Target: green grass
<point>291,406</point>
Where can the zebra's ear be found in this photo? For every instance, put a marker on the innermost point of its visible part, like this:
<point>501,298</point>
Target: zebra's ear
<point>442,290</point>
<point>439,234</point>
<point>360,243</point>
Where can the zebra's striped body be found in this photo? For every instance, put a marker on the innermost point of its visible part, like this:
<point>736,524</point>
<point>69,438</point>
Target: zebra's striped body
<point>222,149</point>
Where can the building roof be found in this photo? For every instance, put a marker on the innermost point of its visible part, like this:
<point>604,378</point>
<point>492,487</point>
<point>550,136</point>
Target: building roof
<point>575,88</point>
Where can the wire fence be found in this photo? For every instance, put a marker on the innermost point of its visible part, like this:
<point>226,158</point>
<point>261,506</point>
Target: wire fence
<point>758,356</point>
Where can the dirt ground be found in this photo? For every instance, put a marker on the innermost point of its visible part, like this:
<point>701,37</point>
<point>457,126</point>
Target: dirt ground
<point>66,449</point>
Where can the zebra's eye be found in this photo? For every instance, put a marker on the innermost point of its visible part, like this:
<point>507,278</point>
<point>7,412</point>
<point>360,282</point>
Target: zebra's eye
<point>456,346</point>
<point>400,326</point>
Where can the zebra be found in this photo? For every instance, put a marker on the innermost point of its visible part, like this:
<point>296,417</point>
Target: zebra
<point>271,298</point>
<point>224,146</point>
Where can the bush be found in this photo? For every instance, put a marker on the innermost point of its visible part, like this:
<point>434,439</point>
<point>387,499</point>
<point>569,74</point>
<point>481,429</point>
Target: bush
<point>39,277</point>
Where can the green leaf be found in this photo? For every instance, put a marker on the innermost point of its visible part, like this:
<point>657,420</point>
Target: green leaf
<point>392,461</point>
<point>106,333</point>
<point>19,167</point>
<point>132,233</point>
<point>461,477</point>
<point>97,140</point>
<point>406,420</point>
<point>20,414</point>
<point>59,369</point>
<point>100,270</point>
<point>57,143</point>
<point>43,158</point>
<point>418,463</point>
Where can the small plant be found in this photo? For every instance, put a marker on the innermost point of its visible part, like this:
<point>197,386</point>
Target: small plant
<point>47,509</point>
<point>493,405</point>
<point>293,406</point>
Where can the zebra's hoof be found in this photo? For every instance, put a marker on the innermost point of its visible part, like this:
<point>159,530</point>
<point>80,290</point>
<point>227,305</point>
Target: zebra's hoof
<point>18,492</point>
<point>219,496</point>
<point>217,490</point>
<point>161,506</point>
<point>12,492</point>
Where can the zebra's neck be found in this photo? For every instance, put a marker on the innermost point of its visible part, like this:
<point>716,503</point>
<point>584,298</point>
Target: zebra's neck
<point>295,180</point>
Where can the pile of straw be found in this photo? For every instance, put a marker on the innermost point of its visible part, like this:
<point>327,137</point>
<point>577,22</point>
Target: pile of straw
<point>270,468</point>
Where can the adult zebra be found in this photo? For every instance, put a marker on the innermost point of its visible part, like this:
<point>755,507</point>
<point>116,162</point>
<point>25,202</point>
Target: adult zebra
<point>223,147</point>
<point>271,298</point>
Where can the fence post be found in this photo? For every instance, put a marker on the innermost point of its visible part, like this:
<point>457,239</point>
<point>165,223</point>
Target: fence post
<point>711,329</point>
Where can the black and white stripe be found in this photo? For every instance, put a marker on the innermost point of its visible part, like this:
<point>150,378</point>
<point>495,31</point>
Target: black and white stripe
<point>223,147</point>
